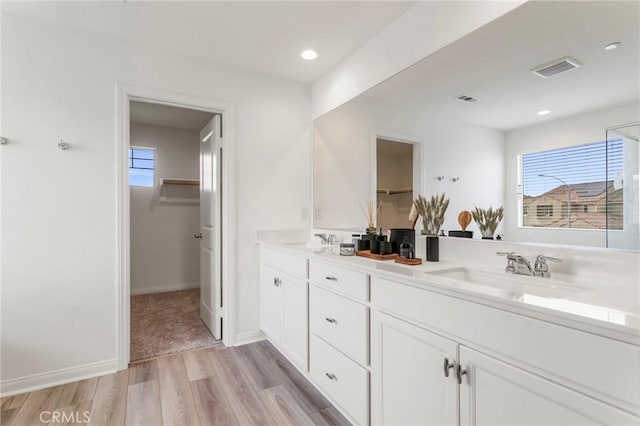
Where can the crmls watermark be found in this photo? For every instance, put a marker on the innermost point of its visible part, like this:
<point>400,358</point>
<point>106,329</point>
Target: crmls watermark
<point>63,417</point>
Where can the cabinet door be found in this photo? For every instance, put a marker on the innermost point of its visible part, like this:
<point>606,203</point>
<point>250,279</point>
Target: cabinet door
<point>409,386</point>
<point>496,393</point>
<point>295,328</point>
<point>271,315</point>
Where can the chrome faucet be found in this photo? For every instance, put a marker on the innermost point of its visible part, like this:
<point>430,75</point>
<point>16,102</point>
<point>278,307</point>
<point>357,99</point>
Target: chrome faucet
<point>541,268</point>
<point>516,264</point>
<point>326,239</point>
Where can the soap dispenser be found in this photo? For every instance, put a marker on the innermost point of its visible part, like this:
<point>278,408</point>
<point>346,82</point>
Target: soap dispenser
<point>406,249</point>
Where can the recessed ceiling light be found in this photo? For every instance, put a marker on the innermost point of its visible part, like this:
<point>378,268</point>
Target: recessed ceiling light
<point>544,112</point>
<point>612,46</point>
<point>309,55</point>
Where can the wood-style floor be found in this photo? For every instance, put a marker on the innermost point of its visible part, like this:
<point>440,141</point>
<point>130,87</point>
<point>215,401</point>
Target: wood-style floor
<point>247,385</point>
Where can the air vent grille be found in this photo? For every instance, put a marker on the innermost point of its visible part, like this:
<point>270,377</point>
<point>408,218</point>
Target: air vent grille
<point>467,98</point>
<point>556,67</point>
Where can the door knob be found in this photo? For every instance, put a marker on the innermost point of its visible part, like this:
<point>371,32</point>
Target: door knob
<point>198,235</point>
<point>448,366</point>
<point>459,373</point>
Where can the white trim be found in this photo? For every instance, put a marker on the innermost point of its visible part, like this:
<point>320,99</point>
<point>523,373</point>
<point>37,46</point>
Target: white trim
<point>250,337</point>
<point>418,169</point>
<point>164,288</point>
<point>124,94</point>
<point>56,377</point>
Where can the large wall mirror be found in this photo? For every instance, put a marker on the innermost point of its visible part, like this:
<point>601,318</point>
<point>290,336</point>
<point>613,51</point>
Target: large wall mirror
<point>537,111</point>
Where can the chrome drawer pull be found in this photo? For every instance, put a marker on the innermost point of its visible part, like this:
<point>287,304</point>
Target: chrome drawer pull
<point>332,278</point>
<point>331,320</point>
<point>277,281</point>
<point>331,376</point>
<point>448,366</point>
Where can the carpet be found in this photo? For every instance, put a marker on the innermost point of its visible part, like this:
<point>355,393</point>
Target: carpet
<point>164,323</point>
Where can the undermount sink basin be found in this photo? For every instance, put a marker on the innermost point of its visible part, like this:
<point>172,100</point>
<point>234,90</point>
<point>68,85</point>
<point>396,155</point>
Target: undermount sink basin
<point>508,283</point>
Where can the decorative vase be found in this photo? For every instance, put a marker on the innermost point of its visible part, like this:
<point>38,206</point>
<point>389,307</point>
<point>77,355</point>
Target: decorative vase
<point>433,248</point>
<point>486,234</point>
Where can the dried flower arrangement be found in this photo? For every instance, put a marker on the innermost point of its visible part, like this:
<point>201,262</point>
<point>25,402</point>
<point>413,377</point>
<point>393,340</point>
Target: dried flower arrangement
<point>432,212</point>
<point>371,213</point>
<point>488,220</point>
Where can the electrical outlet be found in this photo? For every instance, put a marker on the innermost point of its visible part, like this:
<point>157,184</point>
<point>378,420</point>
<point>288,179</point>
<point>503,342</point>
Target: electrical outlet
<point>304,213</point>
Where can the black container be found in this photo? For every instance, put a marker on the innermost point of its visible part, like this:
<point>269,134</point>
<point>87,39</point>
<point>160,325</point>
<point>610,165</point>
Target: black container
<point>433,248</point>
<point>363,245</point>
<point>461,234</point>
<point>375,244</point>
<point>397,237</point>
<point>385,247</point>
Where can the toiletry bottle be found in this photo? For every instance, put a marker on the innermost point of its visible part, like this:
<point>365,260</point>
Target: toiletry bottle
<point>406,249</point>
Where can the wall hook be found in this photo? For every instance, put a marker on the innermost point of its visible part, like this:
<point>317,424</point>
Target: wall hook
<point>440,177</point>
<point>3,140</point>
<point>63,145</point>
<point>455,179</point>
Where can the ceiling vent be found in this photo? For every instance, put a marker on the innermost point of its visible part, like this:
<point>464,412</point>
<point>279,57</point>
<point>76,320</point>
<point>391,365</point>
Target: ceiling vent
<point>556,67</point>
<point>467,98</point>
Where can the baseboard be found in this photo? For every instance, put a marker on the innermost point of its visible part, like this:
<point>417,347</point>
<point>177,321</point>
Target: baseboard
<point>56,377</point>
<point>249,337</point>
<point>164,288</point>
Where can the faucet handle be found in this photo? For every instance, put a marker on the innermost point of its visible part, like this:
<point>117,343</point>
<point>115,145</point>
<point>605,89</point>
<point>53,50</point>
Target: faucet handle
<point>509,254</point>
<point>541,269</point>
<point>511,257</point>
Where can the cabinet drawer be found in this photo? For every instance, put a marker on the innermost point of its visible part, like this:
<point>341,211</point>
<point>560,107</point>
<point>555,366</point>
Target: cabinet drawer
<point>346,281</point>
<point>285,262</point>
<point>342,379</point>
<point>604,368</point>
<point>341,322</point>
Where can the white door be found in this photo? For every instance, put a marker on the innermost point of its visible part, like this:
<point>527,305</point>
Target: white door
<point>496,393</point>
<point>271,312</point>
<point>210,229</point>
<point>295,325</point>
<point>410,383</point>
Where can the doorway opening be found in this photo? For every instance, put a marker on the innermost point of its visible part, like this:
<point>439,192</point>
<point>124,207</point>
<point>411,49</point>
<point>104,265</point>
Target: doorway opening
<point>166,202</point>
<point>396,181</point>
<point>173,206</point>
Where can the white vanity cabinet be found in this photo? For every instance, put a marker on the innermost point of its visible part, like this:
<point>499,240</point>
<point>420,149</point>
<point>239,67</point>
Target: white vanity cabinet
<point>339,328</point>
<point>428,348</point>
<point>284,304</point>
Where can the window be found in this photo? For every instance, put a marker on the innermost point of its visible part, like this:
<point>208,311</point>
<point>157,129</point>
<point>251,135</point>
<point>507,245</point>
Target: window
<point>544,210</point>
<point>141,166</point>
<point>577,182</point>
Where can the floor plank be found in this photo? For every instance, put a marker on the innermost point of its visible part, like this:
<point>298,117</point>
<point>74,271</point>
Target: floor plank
<point>76,415</point>
<point>198,364</point>
<point>283,408</point>
<point>143,404</point>
<point>176,397</point>
<point>77,392</point>
<point>14,401</point>
<point>110,399</point>
<point>7,416</point>
<point>329,417</point>
<point>254,364</point>
<point>36,403</point>
<point>245,403</point>
<point>211,402</point>
<point>146,371</point>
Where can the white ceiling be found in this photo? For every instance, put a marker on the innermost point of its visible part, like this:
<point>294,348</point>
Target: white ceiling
<point>493,64</point>
<point>262,36</point>
<point>168,116</point>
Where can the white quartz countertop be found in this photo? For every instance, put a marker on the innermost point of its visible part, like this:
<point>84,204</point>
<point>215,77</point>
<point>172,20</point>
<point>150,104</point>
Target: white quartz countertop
<point>605,308</point>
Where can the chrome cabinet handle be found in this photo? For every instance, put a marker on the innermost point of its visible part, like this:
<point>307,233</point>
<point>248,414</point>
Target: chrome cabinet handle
<point>448,366</point>
<point>331,376</point>
<point>331,278</point>
<point>459,373</point>
<point>331,320</point>
<point>198,235</point>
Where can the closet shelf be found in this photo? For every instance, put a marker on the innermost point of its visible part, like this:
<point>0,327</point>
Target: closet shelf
<point>390,191</point>
<point>175,181</point>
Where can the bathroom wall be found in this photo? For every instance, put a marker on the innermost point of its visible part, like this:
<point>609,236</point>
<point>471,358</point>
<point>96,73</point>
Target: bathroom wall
<point>575,130</point>
<point>59,283</point>
<point>449,148</point>
<point>164,254</point>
